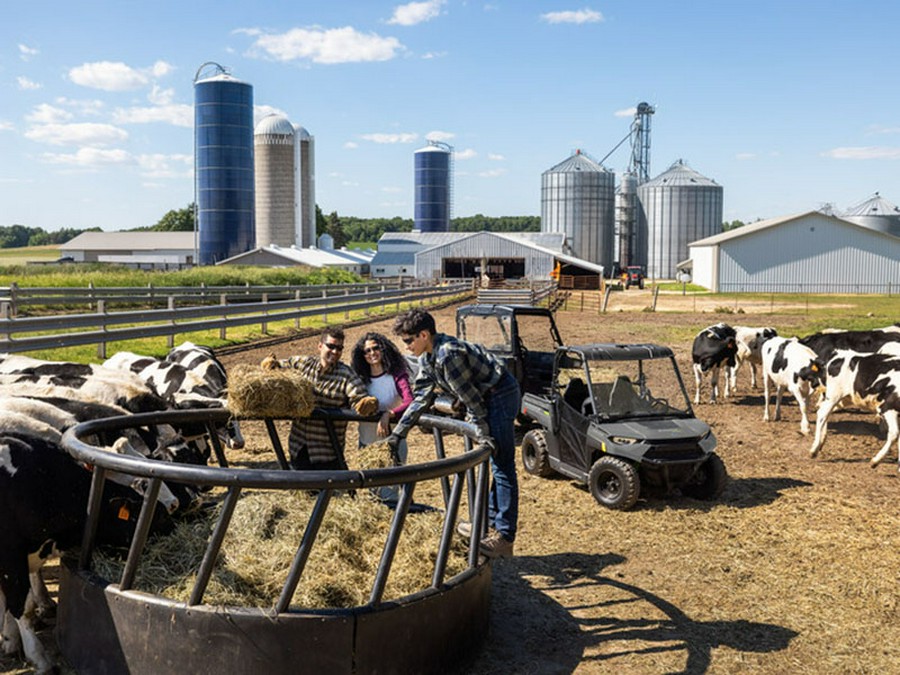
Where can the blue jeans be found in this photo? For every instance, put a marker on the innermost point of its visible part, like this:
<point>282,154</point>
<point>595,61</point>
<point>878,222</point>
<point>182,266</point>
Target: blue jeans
<point>503,501</point>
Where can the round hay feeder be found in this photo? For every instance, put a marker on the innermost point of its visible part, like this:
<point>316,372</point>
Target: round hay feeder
<point>109,626</point>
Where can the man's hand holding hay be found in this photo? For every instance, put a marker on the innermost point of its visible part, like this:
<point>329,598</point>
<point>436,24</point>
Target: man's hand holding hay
<point>270,363</point>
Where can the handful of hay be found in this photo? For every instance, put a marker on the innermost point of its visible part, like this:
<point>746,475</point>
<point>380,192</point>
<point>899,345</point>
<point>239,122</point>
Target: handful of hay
<point>254,392</point>
<point>376,455</point>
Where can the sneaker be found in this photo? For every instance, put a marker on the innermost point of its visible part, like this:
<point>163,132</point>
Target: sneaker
<point>464,529</point>
<point>495,545</point>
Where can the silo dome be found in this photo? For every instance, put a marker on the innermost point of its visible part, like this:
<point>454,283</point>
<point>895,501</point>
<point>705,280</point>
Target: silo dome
<point>302,133</point>
<point>274,124</point>
<point>675,208</point>
<point>876,213</point>
<point>578,199</point>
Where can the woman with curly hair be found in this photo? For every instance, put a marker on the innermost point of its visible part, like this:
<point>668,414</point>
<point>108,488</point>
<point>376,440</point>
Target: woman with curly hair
<point>384,371</point>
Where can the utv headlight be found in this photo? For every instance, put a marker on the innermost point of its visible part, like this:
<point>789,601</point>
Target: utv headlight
<point>623,440</point>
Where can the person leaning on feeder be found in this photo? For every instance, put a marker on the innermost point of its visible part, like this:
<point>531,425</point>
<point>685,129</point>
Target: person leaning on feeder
<point>334,385</point>
<point>491,397</point>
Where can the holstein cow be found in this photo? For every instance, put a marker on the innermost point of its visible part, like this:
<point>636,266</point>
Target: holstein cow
<point>43,495</point>
<point>864,380</point>
<point>825,344</point>
<point>749,350</point>
<point>787,364</point>
<point>713,347</point>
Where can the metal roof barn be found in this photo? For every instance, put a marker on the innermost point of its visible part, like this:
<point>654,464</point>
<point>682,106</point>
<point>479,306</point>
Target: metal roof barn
<point>675,208</point>
<point>578,199</point>
<point>807,253</point>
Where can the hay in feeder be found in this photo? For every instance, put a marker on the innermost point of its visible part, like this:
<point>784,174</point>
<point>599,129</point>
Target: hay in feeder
<point>254,392</point>
<point>376,455</point>
<point>264,535</point>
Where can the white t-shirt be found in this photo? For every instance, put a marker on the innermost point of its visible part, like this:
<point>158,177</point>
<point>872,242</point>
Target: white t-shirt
<point>384,388</point>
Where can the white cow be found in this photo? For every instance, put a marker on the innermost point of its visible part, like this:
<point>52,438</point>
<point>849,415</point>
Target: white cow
<point>749,350</point>
<point>865,380</point>
<point>788,364</point>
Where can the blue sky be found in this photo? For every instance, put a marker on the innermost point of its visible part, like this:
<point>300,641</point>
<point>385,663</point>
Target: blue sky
<point>787,105</point>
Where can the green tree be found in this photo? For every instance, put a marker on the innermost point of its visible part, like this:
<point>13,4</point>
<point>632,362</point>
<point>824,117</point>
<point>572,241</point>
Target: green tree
<point>335,229</point>
<point>176,220</point>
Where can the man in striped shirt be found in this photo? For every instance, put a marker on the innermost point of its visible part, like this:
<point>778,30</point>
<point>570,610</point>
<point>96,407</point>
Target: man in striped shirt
<point>491,397</point>
<point>334,385</point>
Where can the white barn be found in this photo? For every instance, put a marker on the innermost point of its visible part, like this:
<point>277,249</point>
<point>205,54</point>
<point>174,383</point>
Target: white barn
<point>806,253</point>
<point>154,250</point>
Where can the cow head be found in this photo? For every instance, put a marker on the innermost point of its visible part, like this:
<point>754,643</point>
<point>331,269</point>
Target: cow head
<point>814,373</point>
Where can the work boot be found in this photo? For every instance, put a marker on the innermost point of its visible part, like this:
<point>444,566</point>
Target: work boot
<point>495,545</point>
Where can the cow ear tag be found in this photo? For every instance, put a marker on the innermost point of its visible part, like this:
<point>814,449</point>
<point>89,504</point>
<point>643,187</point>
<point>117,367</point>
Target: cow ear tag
<point>124,513</point>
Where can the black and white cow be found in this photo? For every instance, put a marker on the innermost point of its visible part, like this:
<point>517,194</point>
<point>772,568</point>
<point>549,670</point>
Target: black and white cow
<point>43,494</point>
<point>749,350</point>
<point>865,380</point>
<point>788,364</point>
<point>713,347</point>
<point>826,343</point>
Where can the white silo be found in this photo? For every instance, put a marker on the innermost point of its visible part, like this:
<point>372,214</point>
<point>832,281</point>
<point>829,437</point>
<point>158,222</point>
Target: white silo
<point>876,213</point>
<point>306,184</point>
<point>675,208</point>
<point>276,181</point>
<point>578,199</point>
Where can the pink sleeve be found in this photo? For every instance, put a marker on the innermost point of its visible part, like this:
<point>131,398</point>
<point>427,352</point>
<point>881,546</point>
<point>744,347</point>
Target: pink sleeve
<point>402,382</point>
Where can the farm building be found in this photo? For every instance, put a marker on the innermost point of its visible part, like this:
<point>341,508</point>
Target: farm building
<point>508,255</point>
<point>148,250</point>
<point>352,260</point>
<point>811,252</point>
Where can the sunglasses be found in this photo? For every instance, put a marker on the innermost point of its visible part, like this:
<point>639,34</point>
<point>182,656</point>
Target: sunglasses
<point>372,350</point>
<point>409,340</point>
<point>333,346</point>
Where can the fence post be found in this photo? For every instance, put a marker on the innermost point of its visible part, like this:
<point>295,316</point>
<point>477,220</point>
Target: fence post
<point>91,296</point>
<point>4,314</point>
<point>264,327</point>
<point>170,305</point>
<point>223,301</point>
<point>346,305</point>
<point>14,299</point>
<point>581,308</point>
<point>325,308</point>
<point>366,311</point>
<point>383,310</point>
<point>297,319</point>
<point>101,346</point>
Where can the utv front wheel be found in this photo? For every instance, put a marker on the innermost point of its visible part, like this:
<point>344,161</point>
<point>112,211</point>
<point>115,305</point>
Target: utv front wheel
<point>614,483</point>
<point>709,481</point>
<point>534,453</point>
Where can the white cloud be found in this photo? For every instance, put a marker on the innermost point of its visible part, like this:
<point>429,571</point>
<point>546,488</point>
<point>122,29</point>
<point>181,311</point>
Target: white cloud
<point>90,158</point>
<point>82,106</point>
<point>881,129</point>
<point>336,45</point>
<point>869,152</point>
<point>27,85</point>
<point>443,136</point>
<point>260,111</point>
<point>166,166</point>
<point>350,145</point>
<point>496,158</point>
<point>434,55</point>
<point>76,134</point>
<point>160,96</point>
<point>6,125</point>
<point>391,189</point>
<point>416,12</point>
<point>349,183</point>
<point>390,138</point>
<point>47,114</point>
<point>468,153</point>
<point>626,112</point>
<point>178,115</point>
<point>493,173</point>
<point>26,52</point>
<point>577,16</point>
<point>745,155</point>
<point>116,76</point>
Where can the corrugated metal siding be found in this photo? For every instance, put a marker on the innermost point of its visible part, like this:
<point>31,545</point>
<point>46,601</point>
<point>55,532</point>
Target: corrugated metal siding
<point>813,254</point>
<point>537,263</point>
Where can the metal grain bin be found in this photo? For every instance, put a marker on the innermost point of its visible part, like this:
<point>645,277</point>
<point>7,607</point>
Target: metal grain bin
<point>675,208</point>
<point>578,200</point>
<point>876,213</point>
<point>432,189</point>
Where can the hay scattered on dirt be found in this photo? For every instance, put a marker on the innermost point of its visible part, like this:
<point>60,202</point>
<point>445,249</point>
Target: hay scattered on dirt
<point>254,392</point>
<point>265,533</point>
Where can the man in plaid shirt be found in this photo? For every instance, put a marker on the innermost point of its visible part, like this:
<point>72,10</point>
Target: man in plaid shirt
<point>491,397</point>
<point>334,385</point>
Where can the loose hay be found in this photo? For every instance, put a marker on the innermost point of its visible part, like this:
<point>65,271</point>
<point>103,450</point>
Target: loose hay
<point>376,455</point>
<point>254,392</point>
<point>263,538</point>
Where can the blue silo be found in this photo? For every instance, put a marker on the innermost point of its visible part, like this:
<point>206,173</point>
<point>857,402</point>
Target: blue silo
<point>433,201</point>
<point>223,164</point>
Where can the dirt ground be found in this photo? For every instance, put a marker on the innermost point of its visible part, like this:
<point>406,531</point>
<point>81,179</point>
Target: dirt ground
<point>793,570</point>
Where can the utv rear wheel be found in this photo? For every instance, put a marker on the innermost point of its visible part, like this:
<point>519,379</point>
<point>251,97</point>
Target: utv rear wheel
<point>614,483</point>
<point>709,481</point>
<point>534,453</point>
